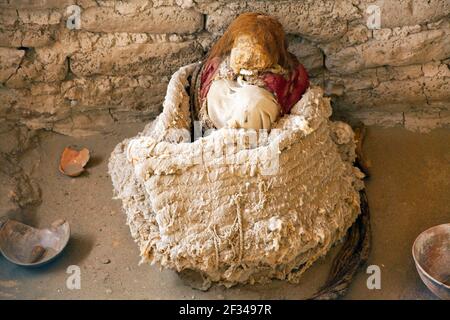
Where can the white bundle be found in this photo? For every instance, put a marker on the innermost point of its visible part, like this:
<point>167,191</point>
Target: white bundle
<point>233,210</point>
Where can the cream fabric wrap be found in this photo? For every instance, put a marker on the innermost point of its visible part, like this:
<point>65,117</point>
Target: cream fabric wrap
<point>210,207</point>
<point>233,105</point>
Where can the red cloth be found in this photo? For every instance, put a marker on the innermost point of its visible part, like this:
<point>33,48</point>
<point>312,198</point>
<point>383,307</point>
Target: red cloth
<point>207,76</point>
<point>287,90</point>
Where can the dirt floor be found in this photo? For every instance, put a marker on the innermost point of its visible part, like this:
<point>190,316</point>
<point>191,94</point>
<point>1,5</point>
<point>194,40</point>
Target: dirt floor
<point>409,191</point>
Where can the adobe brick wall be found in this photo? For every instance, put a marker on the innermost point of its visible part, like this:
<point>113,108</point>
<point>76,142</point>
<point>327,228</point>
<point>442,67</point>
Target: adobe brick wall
<point>116,67</point>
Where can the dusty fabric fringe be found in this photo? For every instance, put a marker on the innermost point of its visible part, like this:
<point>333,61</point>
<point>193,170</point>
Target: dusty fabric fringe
<point>353,255</point>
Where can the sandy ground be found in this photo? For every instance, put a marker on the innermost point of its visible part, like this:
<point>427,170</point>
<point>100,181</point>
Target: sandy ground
<point>409,191</point>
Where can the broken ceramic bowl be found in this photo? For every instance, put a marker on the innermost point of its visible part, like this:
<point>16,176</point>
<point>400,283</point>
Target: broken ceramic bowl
<point>431,253</point>
<point>24,245</point>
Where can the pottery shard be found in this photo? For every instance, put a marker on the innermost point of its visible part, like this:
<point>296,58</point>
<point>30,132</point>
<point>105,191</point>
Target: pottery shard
<point>9,62</point>
<point>396,51</point>
<point>136,59</point>
<point>73,161</point>
<point>152,20</point>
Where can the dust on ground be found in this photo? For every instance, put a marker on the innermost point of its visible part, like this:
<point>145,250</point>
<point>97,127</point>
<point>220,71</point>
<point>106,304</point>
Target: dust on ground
<point>409,191</point>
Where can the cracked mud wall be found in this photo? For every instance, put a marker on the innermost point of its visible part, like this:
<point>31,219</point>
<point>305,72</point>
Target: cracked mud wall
<point>117,65</point>
<point>18,190</point>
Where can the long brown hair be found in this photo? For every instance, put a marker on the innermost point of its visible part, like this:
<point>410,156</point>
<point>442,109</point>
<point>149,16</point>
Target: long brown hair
<point>266,30</point>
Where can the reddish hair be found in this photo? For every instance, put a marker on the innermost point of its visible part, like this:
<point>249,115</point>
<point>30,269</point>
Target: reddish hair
<point>267,32</point>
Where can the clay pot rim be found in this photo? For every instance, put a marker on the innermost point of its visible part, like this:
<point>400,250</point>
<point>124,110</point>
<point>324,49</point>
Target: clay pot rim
<point>416,261</point>
<point>67,234</point>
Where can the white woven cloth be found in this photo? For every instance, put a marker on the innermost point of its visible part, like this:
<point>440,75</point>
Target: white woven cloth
<point>246,106</point>
<point>238,212</point>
